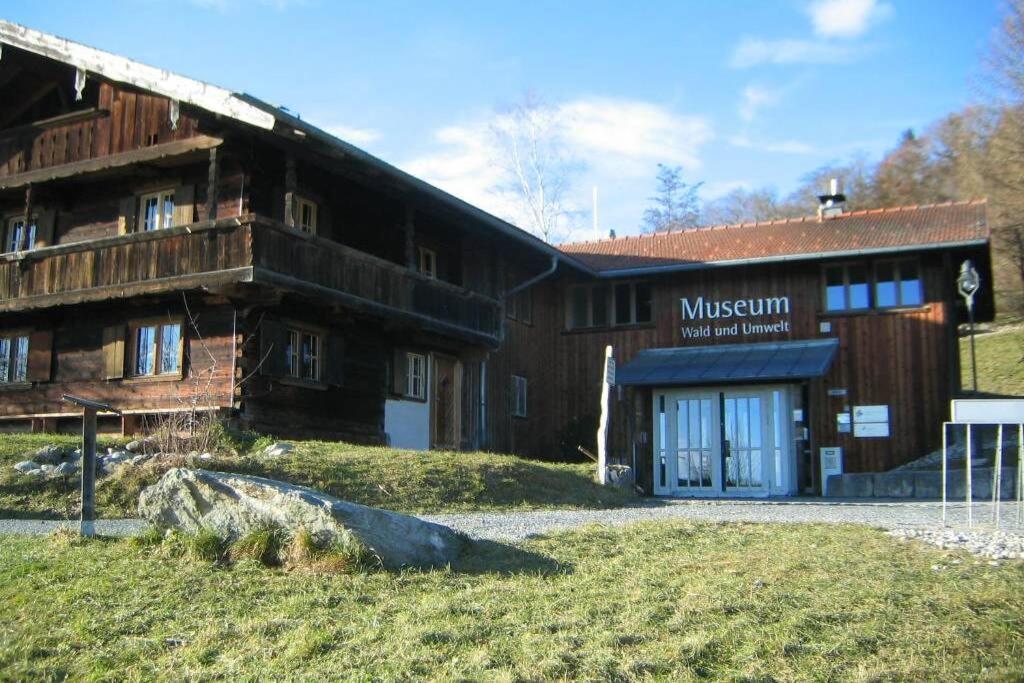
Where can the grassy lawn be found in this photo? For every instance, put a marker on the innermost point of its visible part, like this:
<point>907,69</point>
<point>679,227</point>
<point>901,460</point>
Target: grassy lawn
<point>670,601</point>
<point>1000,361</point>
<point>383,477</point>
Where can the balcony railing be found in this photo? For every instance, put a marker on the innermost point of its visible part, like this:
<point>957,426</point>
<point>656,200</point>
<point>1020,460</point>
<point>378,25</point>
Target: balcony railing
<point>62,140</point>
<point>233,250</point>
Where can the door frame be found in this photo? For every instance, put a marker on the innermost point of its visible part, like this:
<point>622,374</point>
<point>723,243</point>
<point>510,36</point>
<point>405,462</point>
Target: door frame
<point>778,452</point>
<point>456,399</point>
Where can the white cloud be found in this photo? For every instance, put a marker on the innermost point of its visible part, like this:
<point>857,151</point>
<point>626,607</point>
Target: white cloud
<point>774,147</point>
<point>755,51</point>
<point>635,131</point>
<point>846,18</point>
<point>618,141</point>
<point>754,98</point>
<point>353,135</point>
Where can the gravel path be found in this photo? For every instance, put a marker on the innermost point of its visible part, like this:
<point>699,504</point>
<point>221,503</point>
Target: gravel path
<point>920,520</point>
<point>39,527</point>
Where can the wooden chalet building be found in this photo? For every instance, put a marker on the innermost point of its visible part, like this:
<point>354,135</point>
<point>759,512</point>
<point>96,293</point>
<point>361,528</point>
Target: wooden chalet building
<point>742,351</point>
<point>172,246</point>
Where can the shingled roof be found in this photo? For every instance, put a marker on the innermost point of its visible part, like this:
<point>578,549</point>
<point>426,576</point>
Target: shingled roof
<point>904,228</point>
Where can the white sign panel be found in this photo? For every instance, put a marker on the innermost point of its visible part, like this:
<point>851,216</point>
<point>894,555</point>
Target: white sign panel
<point>870,414</point>
<point>987,410</point>
<point>843,423</point>
<point>871,429</point>
<point>609,371</point>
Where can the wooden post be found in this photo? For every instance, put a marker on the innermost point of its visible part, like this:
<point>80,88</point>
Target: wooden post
<point>290,183</point>
<point>24,243</point>
<point>607,379</point>
<point>410,238</point>
<point>87,525</point>
<point>212,178</point>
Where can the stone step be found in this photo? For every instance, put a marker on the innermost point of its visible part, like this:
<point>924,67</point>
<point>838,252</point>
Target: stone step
<point>922,485</point>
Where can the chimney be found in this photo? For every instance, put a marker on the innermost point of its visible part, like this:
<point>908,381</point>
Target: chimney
<point>831,204</point>
<point>611,234</point>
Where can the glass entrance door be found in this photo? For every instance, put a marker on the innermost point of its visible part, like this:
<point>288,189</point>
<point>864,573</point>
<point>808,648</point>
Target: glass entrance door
<point>728,441</point>
<point>745,438</point>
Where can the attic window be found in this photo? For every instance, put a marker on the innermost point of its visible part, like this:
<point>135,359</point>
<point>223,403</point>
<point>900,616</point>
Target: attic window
<point>305,211</point>
<point>156,211</point>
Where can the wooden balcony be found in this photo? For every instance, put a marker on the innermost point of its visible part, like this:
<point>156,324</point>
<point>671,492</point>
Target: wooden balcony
<point>247,249</point>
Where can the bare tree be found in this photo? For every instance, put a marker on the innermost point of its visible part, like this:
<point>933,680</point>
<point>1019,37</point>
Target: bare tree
<point>743,206</point>
<point>529,139</point>
<point>676,203</point>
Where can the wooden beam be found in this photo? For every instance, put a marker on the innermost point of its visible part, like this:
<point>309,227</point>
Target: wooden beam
<point>27,218</point>
<point>145,155</point>
<point>212,175</point>
<point>410,237</point>
<point>290,182</point>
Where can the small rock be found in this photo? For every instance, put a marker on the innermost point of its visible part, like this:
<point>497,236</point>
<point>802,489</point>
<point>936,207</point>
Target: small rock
<point>49,455</point>
<point>26,466</point>
<point>141,445</point>
<point>276,450</point>
<point>140,459</point>
<point>206,456</point>
<point>65,469</point>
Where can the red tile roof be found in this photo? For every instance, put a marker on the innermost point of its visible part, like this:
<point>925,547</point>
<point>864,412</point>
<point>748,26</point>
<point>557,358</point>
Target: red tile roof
<point>877,230</point>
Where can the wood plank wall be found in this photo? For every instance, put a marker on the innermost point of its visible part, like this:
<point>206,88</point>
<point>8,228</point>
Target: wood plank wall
<point>78,360</point>
<point>126,120</point>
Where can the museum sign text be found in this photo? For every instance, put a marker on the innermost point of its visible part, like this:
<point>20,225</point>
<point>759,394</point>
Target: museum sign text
<point>706,318</point>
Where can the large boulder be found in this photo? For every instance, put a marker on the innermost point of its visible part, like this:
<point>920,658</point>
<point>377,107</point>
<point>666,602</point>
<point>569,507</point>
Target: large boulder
<point>232,505</point>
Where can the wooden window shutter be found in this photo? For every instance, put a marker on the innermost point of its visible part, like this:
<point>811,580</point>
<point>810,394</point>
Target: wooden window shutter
<point>273,358</point>
<point>113,351</point>
<point>400,372</point>
<point>334,362</point>
<point>184,204</point>
<point>126,216</point>
<point>40,356</point>
<point>44,228</point>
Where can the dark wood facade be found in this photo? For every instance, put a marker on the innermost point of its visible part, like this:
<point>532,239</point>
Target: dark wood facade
<point>238,265</point>
<point>906,358</point>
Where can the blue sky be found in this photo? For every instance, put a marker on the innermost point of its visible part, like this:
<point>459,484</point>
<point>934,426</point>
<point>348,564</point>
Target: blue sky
<point>740,93</point>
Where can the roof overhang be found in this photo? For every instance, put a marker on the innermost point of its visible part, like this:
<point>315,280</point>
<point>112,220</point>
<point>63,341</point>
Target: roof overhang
<point>123,70</point>
<point>730,363</point>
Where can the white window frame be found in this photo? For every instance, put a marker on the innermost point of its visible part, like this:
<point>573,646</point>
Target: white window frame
<point>14,350</point>
<point>301,203</point>
<point>416,376</point>
<point>428,262</point>
<point>295,370</point>
<point>520,387</point>
<point>9,228</point>
<point>161,197</point>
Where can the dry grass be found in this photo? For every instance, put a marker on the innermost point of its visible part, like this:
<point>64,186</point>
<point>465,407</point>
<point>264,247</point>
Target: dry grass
<point>668,601</point>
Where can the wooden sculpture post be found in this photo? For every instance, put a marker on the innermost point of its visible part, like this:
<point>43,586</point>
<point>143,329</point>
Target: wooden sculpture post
<point>87,519</point>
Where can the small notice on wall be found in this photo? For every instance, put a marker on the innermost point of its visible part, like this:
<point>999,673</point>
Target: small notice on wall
<point>871,421</point>
<point>843,423</point>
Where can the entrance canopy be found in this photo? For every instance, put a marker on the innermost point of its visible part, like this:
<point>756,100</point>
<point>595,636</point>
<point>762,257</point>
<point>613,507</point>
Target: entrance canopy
<point>730,363</point>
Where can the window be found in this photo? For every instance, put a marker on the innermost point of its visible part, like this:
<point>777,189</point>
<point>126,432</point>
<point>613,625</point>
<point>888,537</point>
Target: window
<point>416,379</point>
<point>156,349</point>
<point>518,396</point>
<point>520,307</point>
<point>858,287</point>
<point>847,288</point>
<point>897,283</point>
<point>156,211</point>
<point>428,262</point>
<point>13,359</point>
<point>303,352</point>
<point>17,238</point>
<point>628,303</point>
<point>306,216</point>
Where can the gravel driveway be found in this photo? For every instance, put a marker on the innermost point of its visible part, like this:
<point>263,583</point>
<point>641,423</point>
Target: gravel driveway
<point>921,520</point>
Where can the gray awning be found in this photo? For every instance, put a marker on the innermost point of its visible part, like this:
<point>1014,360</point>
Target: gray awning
<point>730,363</point>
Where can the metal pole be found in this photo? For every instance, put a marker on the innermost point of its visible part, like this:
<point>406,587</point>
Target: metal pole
<point>945,433</point>
<point>1020,471</point>
<point>970,507</point>
<point>997,476</point>
<point>87,523</point>
<point>974,363</point>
